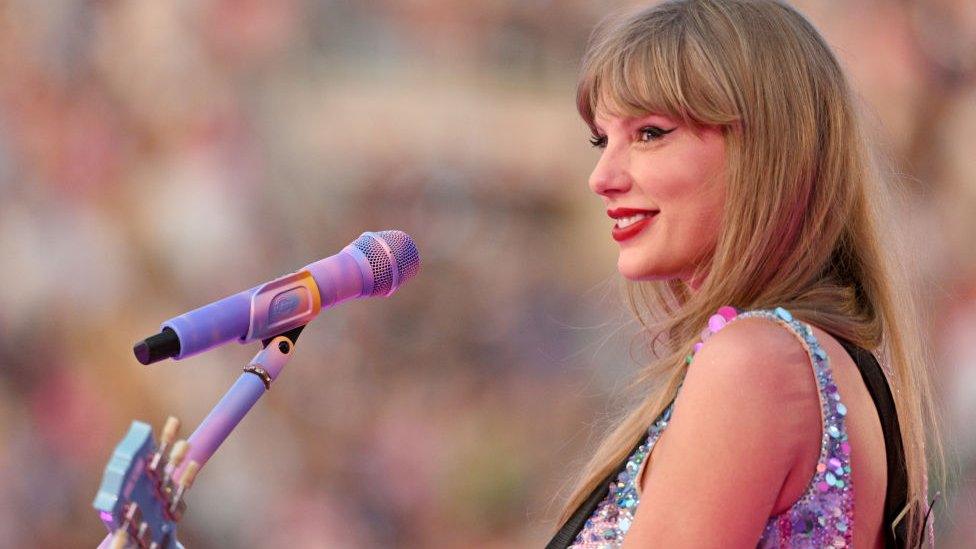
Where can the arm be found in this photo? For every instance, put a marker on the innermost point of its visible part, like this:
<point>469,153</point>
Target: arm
<point>735,434</point>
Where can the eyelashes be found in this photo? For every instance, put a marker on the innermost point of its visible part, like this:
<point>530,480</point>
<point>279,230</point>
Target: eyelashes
<point>644,135</point>
<point>654,132</point>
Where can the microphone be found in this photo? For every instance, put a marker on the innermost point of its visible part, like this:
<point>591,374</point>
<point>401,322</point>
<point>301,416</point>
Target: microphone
<point>375,264</point>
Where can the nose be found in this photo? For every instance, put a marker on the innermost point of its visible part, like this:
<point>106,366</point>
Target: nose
<point>610,176</point>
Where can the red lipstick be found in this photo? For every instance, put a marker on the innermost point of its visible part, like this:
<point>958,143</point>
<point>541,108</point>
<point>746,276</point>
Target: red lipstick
<point>623,233</point>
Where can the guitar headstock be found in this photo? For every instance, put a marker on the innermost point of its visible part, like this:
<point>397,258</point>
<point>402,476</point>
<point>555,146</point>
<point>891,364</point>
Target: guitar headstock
<point>139,500</point>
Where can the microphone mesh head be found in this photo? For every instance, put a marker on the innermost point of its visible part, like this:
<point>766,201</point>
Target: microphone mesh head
<point>404,253</point>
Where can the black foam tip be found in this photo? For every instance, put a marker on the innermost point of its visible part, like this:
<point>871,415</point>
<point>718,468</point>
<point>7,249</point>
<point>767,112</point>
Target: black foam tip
<point>165,344</point>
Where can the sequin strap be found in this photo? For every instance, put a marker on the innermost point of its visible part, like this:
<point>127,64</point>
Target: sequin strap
<point>823,515</point>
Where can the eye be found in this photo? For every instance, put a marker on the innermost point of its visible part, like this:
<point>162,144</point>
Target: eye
<point>650,133</point>
<point>598,141</point>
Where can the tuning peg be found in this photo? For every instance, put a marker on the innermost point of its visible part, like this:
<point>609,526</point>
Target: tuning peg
<point>189,475</point>
<point>170,428</point>
<point>133,515</point>
<point>177,505</point>
<point>179,452</point>
<point>120,539</point>
<point>180,448</point>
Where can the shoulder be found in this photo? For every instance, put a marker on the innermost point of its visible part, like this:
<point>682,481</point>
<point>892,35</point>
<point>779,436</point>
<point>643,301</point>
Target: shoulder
<point>754,354</point>
<point>742,382</point>
<point>738,425</point>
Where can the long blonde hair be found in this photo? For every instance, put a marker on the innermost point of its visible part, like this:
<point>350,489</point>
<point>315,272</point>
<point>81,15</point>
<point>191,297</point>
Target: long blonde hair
<point>802,225</point>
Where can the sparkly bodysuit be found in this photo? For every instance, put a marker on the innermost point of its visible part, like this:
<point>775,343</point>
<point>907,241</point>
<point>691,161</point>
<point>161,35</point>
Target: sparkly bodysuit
<point>821,517</point>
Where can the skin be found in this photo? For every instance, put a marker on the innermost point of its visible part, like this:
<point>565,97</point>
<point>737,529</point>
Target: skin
<point>680,173</point>
<point>714,479</point>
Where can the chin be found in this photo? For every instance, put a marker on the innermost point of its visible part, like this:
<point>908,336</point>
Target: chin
<point>635,270</point>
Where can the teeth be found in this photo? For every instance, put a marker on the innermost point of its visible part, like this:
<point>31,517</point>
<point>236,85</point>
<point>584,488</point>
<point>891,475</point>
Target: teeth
<point>625,222</point>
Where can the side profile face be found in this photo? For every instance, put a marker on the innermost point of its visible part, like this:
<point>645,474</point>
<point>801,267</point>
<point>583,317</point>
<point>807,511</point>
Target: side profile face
<point>664,183</point>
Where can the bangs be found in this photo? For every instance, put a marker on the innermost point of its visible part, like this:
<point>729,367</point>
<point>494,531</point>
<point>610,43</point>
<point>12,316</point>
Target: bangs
<point>648,66</point>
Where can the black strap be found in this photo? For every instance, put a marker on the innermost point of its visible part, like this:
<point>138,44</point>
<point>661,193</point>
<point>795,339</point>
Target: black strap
<point>896,494</point>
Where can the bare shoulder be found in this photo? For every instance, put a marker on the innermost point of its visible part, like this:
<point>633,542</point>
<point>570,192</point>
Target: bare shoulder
<point>755,355</point>
<point>754,382</point>
<point>735,433</point>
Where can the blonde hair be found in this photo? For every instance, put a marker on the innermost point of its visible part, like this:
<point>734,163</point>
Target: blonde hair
<point>802,225</point>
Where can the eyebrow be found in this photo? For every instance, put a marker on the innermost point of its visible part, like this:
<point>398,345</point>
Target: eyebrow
<point>635,120</point>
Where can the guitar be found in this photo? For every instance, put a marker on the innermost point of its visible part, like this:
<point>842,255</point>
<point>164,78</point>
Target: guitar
<point>141,500</point>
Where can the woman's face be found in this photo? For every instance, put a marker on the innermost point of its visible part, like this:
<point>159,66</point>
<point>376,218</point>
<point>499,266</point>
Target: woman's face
<point>663,183</point>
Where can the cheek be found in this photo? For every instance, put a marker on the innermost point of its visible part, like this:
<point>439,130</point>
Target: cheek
<point>690,192</point>
<point>696,183</point>
<point>701,215</point>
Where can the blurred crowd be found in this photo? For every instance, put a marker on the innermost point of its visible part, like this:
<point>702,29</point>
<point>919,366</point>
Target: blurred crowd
<point>155,156</point>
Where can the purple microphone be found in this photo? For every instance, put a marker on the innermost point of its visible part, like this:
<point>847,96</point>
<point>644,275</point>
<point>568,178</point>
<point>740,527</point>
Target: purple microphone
<point>376,264</point>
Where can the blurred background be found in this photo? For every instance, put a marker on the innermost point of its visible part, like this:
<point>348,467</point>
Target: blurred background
<point>155,156</point>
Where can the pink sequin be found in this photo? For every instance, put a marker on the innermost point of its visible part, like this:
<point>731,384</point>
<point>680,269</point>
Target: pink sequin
<point>727,312</point>
<point>716,322</point>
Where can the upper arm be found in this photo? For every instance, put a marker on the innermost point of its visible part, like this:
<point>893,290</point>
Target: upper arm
<point>730,444</point>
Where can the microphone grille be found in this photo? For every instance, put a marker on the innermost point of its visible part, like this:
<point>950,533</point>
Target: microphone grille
<point>384,251</point>
<point>404,252</point>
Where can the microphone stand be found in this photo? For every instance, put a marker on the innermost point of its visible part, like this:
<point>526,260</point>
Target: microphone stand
<point>256,380</point>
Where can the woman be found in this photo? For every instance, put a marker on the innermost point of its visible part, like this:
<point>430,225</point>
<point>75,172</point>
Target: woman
<point>744,203</point>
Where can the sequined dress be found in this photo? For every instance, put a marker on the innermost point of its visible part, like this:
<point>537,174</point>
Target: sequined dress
<point>821,517</point>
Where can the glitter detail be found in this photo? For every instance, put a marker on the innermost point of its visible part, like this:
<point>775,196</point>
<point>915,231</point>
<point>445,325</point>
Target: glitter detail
<point>613,516</point>
<point>822,517</point>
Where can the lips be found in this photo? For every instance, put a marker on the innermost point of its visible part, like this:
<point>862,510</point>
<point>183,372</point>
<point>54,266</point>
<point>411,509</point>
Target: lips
<point>630,222</point>
<point>625,212</point>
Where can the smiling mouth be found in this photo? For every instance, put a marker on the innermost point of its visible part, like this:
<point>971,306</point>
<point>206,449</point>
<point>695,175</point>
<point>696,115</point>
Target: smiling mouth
<point>624,222</point>
<point>629,226</point>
